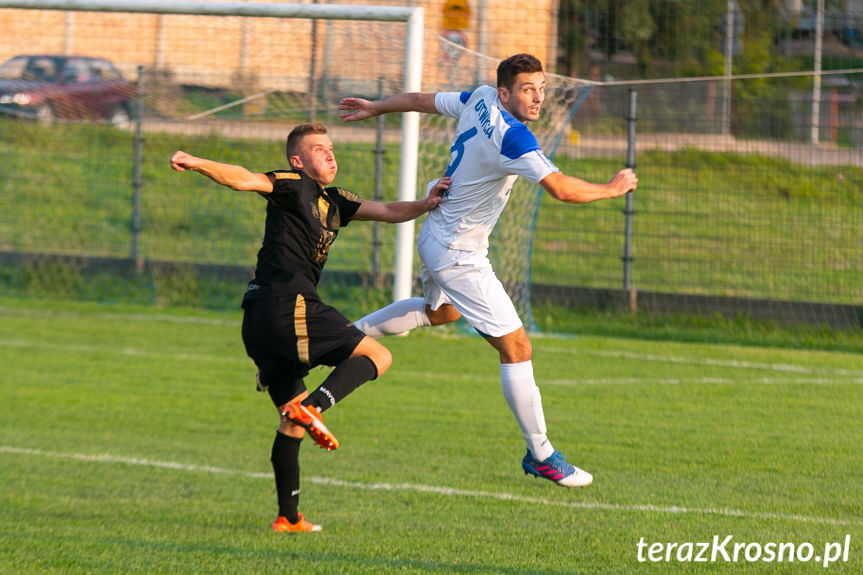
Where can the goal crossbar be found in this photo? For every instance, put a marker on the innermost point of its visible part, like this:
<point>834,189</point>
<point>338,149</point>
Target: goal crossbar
<point>250,9</point>
<point>414,20</point>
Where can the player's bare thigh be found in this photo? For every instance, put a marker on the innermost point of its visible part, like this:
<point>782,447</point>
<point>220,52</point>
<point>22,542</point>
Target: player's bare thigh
<point>446,313</point>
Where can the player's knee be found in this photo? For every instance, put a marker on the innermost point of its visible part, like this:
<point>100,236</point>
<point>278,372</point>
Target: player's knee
<point>444,314</point>
<point>523,350</point>
<point>515,355</point>
<point>514,347</point>
<point>379,355</point>
<point>383,359</point>
<point>286,427</point>
<point>526,348</point>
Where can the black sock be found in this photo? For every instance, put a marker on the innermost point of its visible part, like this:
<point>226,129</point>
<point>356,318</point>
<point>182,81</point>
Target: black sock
<point>346,377</point>
<point>285,458</point>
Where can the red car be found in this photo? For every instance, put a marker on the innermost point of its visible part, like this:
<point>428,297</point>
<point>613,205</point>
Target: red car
<point>51,88</point>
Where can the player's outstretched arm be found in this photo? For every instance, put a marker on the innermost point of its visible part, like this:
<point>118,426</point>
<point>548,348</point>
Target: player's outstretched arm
<point>230,175</point>
<point>395,212</point>
<point>576,191</point>
<point>359,109</point>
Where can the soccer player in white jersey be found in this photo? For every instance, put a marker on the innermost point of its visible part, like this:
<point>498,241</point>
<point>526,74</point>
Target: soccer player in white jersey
<point>492,146</point>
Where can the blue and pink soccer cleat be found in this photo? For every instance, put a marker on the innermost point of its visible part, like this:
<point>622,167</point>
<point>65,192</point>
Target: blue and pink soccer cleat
<point>556,468</point>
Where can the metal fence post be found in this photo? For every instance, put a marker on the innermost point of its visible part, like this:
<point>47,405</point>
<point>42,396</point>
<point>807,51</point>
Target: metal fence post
<point>136,175</point>
<point>379,176</point>
<point>628,211</point>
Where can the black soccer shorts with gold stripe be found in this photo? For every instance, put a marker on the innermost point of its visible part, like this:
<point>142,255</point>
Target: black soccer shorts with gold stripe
<point>288,335</point>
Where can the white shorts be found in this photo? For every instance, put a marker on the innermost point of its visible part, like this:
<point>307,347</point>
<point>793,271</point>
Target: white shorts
<point>466,280</point>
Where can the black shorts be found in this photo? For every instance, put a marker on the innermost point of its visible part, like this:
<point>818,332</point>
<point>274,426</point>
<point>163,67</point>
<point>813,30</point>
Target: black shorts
<point>286,336</point>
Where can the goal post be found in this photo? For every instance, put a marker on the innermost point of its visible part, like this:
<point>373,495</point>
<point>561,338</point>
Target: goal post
<point>413,17</point>
<point>403,273</point>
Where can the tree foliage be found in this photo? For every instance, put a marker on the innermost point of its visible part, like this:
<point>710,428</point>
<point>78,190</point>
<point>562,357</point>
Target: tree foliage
<point>658,38</point>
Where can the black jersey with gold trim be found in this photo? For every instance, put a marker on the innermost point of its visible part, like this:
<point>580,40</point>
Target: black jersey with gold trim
<point>302,222</point>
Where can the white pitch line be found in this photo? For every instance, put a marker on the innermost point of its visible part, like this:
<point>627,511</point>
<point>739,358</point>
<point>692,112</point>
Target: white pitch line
<point>133,352</point>
<point>155,318</point>
<point>130,351</point>
<point>704,381</point>
<point>437,490</point>
<point>733,363</point>
<point>468,377</point>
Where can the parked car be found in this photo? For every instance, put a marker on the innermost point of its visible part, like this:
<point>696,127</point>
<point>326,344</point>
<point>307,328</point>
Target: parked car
<point>49,88</point>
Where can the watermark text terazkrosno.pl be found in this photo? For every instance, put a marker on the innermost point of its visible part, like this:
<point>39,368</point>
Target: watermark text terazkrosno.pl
<point>727,550</point>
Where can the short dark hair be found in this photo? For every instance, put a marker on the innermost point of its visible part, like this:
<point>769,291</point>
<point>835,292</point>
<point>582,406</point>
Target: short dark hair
<point>299,132</point>
<point>508,69</point>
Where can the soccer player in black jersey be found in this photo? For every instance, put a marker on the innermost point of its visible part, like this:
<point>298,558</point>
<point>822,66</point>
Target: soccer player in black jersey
<point>287,329</point>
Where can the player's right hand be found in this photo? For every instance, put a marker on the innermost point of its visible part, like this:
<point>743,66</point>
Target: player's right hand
<point>624,181</point>
<point>181,161</point>
<point>357,109</point>
<point>438,190</point>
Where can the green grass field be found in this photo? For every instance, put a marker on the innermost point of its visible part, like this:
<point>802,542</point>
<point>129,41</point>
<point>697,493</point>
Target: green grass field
<point>132,441</point>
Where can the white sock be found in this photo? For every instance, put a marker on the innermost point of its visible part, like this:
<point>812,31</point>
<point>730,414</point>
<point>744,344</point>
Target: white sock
<point>399,317</point>
<point>522,395</point>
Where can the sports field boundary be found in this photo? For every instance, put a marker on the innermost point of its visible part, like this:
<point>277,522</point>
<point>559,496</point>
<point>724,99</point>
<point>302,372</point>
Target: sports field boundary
<point>435,490</point>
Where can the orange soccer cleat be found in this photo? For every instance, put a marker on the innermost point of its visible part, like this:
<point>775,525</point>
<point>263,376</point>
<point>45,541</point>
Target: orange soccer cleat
<point>283,525</point>
<point>309,418</point>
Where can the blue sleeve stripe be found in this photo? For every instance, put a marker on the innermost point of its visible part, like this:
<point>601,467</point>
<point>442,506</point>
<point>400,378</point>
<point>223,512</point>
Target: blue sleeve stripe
<point>517,141</point>
<point>465,96</point>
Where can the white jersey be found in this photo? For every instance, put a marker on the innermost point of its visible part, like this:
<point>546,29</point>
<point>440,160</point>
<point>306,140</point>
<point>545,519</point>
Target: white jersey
<point>489,151</point>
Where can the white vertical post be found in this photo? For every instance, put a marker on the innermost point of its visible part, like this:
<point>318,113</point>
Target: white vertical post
<point>403,272</point>
<point>816,79</point>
